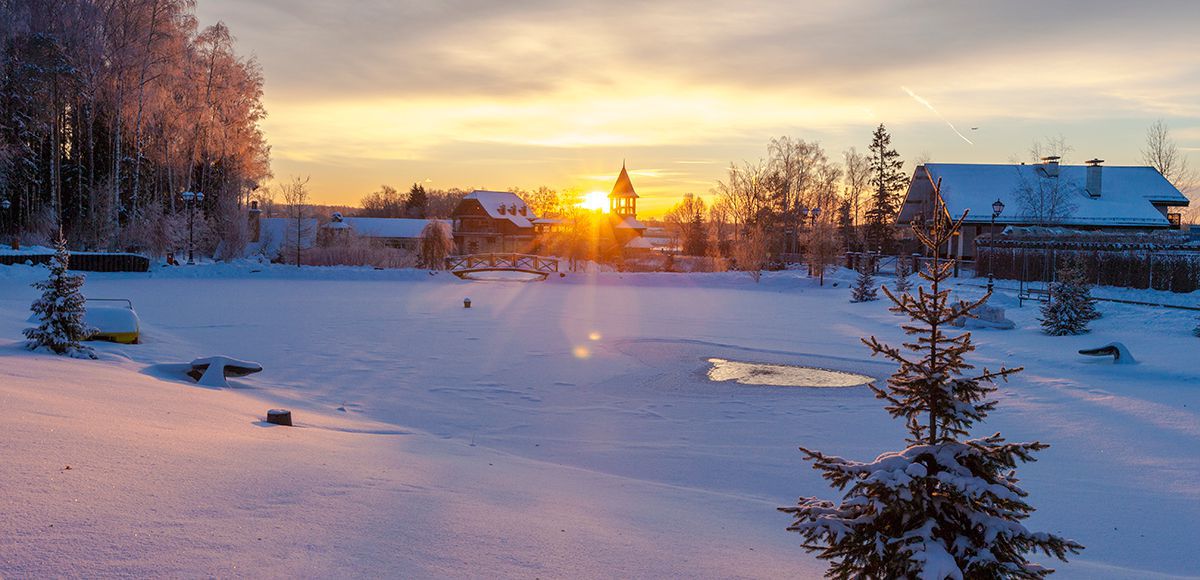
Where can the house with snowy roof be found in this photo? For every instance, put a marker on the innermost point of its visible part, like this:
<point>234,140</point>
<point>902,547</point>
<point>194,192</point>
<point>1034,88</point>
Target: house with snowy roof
<point>401,233</point>
<point>270,237</point>
<point>493,221</point>
<point>1047,194</point>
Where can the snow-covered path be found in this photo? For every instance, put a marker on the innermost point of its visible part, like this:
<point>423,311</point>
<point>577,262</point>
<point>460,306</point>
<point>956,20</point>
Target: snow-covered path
<point>580,401</point>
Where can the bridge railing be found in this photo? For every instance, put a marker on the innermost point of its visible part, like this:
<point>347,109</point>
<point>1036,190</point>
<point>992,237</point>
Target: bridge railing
<point>502,261</point>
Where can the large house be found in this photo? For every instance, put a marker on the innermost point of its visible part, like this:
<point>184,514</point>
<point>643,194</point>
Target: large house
<point>1083,197</point>
<point>493,221</point>
<point>402,233</point>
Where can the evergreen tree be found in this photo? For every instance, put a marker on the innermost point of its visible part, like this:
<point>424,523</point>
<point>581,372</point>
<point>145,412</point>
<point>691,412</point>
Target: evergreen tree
<point>864,289</point>
<point>943,507</point>
<point>60,310</point>
<point>888,180</point>
<point>903,285</point>
<point>417,204</point>
<point>1071,306</point>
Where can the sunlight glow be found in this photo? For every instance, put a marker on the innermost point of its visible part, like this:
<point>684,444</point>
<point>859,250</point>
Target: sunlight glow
<point>595,201</point>
<point>581,352</point>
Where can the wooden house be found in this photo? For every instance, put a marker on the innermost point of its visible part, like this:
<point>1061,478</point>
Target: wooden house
<point>493,221</point>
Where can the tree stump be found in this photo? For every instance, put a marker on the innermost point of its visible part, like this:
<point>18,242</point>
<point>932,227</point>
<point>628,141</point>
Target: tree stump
<point>280,417</point>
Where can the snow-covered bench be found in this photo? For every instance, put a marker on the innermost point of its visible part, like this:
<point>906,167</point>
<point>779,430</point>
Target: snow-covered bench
<point>213,370</point>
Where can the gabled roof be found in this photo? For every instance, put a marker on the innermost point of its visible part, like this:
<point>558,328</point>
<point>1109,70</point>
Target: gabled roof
<point>503,205</point>
<point>1127,194</point>
<point>629,223</point>
<point>623,187</point>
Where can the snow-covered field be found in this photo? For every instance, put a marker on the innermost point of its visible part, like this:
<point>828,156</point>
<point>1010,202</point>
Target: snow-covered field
<point>556,429</point>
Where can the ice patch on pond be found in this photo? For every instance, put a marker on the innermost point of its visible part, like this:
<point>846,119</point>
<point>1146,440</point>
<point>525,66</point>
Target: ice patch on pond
<point>776,375</point>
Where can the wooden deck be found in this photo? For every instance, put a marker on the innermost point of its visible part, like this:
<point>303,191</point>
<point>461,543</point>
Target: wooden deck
<point>464,266</point>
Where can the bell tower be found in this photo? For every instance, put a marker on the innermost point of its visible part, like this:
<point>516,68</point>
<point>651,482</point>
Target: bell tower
<point>622,201</point>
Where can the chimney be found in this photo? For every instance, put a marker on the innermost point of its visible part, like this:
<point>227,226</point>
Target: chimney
<point>1093,177</point>
<point>1050,165</point>
<point>255,224</point>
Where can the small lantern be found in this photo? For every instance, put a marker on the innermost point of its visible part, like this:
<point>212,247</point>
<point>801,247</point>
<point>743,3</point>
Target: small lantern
<point>997,207</point>
<point>466,302</point>
<point>816,211</point>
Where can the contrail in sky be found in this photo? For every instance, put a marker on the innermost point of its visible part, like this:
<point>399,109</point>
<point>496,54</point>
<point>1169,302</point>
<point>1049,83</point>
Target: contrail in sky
<point>929,106</point>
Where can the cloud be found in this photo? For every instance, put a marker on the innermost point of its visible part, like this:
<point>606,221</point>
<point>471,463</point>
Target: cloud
<point>402,82</point>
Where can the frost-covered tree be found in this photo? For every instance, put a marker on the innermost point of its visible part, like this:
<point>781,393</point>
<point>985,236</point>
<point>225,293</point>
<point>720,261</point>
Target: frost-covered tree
<point>436,244</point>
<point>1071,306</point>
<point>945,506</point>
<point>864,289</point>
<point>60,310</point>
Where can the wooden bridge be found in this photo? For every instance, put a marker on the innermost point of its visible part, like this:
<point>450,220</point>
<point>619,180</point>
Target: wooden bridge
<point>539,266</point>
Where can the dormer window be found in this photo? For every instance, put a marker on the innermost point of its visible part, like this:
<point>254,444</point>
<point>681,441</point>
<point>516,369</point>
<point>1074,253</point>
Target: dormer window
<point>501,209</point>
<point>522,210</point>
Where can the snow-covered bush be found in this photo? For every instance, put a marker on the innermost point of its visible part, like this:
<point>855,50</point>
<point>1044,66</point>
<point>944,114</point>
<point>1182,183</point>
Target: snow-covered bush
<point>1071,306</point>
<point>60,310</point>
<point>436,244</point>
<point>864,289</point>
<point>947,506</point>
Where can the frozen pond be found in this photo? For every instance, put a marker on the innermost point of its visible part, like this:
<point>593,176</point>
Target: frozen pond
<point>775,375</point>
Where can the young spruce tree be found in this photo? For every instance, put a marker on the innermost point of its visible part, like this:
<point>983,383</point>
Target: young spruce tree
<point>60,310</point>
<point>903,270</point>
<point>864,289</point>
<point>946,506</point>
<point>1071,306</point>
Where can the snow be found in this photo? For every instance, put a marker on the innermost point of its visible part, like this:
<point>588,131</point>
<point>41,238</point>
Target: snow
<point>217,368</point>
<point>1126,197</point>
<point>111,319</point>
<point>555,429</point>
<point>504,205</point>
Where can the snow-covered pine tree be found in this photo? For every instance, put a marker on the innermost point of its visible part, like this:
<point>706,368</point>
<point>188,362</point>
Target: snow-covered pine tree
<point>943,507</point>
<point>864,289</point>
<point>60,310</point>
<point>902,285</point>
<point>1071,306</point>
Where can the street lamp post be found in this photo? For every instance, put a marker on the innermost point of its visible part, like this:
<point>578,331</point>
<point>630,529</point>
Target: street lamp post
<point>997,207</point>
<point>191,199</point>
<point>12,224</point>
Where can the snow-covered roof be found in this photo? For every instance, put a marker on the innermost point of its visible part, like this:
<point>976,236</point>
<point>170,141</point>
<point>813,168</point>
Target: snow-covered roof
<point>391,228</point>
<point>639,243</point>
<point>273,233</point>
<point>630,223</point>
<point>1127,194</point>
<point>504,205</point>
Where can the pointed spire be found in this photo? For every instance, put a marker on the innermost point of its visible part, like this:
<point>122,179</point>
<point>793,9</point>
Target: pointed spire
<point>623,187</point>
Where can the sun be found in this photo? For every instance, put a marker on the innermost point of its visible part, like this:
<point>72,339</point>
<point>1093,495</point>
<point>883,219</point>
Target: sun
<point>596,201</point>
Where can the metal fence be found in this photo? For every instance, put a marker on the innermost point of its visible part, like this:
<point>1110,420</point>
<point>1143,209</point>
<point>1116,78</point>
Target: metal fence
<point>1130,265</point>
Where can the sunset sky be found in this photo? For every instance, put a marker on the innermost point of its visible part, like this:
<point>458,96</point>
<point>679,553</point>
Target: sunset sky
<point>491,94</point>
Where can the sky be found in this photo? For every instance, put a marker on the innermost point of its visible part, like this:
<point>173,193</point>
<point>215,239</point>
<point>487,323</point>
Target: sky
<point>495,94</point>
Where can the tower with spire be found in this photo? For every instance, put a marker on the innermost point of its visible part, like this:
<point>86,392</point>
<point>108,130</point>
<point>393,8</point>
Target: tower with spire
<point>622,200</point>
<point>626,230</point>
